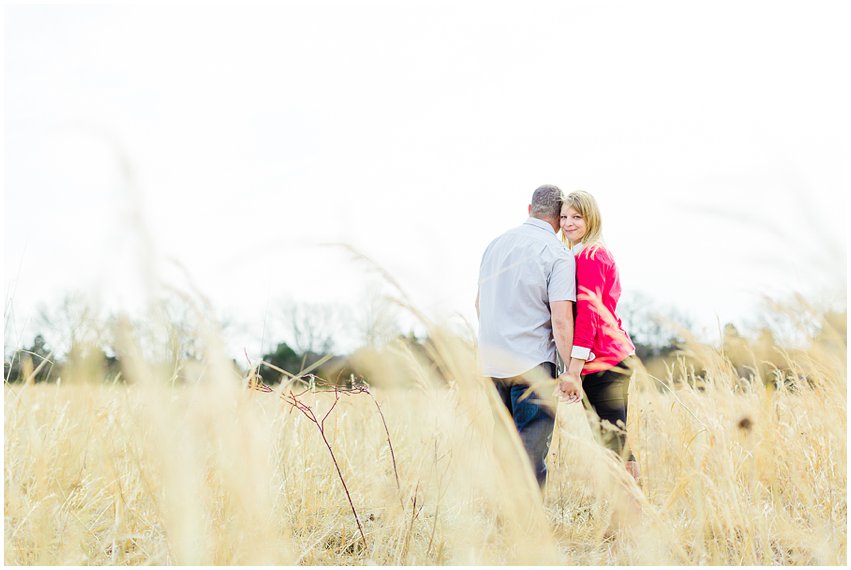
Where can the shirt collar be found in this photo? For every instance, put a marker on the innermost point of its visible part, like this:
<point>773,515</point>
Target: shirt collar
<point>540,224</point>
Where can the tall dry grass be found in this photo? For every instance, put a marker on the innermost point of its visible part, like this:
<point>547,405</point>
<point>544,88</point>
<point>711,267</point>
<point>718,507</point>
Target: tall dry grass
<point>735,471</point>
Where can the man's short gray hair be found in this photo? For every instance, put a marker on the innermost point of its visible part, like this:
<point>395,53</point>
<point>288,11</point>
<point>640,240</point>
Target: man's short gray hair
<point>546,202</point>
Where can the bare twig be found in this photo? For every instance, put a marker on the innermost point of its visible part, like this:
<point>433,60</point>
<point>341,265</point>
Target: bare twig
<point>320,385</point>
<point>293,400</point>
<point>389,444</point>
<point>414,514</point>
<point>440,492</point>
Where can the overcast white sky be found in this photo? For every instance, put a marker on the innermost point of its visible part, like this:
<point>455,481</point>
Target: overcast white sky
<point>715,136</point>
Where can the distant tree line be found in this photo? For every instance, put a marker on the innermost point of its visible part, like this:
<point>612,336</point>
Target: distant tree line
<point>91,350</point>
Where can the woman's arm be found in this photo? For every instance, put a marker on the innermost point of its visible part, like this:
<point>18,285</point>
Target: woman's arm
<point>590,280</point>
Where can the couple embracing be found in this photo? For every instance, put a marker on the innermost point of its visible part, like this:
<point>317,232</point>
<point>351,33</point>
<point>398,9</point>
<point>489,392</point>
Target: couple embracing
<point>539,296</point>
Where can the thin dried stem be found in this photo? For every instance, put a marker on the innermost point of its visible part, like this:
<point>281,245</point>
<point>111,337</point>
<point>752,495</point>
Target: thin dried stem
<point>293,400</point>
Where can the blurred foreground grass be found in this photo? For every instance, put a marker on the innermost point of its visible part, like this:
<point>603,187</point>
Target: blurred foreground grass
<point>735,471</point>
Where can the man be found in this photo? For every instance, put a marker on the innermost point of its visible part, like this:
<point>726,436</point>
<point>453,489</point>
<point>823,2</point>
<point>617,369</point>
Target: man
<point>527,287</point>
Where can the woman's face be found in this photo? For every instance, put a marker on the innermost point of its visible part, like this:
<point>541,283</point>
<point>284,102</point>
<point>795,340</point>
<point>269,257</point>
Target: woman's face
<point>573,224</point>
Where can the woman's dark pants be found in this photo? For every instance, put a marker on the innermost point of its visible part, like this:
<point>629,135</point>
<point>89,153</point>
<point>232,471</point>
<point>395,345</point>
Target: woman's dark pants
<point>607,394</point>
<point>534,422</point>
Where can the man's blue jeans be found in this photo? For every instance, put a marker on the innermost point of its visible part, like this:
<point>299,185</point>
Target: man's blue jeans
<point>534,422</point>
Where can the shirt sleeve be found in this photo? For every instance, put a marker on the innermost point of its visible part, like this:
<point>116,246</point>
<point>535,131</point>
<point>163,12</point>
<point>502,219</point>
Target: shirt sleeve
<point>580,352</point>
<point>590,278</point>
<point>562,283</point>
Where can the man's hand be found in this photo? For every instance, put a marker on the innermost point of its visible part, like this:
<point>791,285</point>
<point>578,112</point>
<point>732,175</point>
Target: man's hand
<point>569,388</point>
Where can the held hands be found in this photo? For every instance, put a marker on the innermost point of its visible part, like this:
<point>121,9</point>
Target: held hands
<point>569,388</point>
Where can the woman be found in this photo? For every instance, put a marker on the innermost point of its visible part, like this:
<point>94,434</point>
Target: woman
<point>602,353</point>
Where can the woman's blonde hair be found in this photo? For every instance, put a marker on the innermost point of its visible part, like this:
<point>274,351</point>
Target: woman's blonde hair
<point>586,205</point>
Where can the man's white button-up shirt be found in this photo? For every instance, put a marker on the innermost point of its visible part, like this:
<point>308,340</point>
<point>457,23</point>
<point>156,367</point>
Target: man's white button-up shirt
<point>522,272</point>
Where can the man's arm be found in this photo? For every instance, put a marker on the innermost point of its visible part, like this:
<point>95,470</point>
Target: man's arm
<point>570,384</point>
<point>574,368</point>
<point>562,318</point>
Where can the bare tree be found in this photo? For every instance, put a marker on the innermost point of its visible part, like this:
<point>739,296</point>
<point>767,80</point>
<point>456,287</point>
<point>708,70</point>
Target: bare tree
<point>313,327</point>
<point>655,331</point>
<point>72,323</point>
<point>376,321</point>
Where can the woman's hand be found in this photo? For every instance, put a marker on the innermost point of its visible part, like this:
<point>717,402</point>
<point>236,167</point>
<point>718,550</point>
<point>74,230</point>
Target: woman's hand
<point>569,388</point>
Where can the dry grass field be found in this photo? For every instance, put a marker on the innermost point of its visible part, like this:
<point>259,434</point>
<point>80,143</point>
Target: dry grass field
<point>212,473</point>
